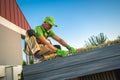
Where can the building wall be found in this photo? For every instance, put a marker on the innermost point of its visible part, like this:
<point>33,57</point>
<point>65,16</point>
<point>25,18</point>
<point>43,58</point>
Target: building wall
<point>11,18</point>
<point>10,47</point>
<point>2,71</point>
<point>13,26</point>
<point>17,72</point>
<point>9,72</point>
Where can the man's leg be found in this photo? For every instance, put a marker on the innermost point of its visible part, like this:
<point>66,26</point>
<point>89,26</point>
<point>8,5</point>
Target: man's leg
<point>38,58</point>
<point>45,53</point>
<point>50,56</point>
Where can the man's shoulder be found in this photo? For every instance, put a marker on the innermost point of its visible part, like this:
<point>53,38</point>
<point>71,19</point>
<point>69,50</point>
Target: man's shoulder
<point>37,27</point>
<point>51,33</point>
<point>51,30</point>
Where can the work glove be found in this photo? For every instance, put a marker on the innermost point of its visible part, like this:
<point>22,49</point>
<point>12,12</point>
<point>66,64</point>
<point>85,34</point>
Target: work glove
<point>71,49</point>
<point>62,52</point>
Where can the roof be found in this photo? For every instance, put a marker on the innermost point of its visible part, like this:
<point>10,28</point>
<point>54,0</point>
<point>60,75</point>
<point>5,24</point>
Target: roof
<point>10,10</point>
<point>81,64</point>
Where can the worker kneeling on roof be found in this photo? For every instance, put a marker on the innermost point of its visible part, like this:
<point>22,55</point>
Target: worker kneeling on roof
<point>47,50</point>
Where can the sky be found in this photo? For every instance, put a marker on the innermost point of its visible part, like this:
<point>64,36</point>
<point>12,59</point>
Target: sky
<point>77,20</point>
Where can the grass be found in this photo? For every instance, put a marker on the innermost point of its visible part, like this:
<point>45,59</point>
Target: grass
<point>108,43</point>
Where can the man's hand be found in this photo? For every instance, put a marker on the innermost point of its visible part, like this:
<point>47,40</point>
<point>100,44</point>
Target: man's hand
<point>71,49</point>
<point>62,52</point>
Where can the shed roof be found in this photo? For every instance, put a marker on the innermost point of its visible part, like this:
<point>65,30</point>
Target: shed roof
<point>81,64</point>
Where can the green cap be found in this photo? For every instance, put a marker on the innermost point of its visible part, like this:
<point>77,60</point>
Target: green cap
<point>50,20</point>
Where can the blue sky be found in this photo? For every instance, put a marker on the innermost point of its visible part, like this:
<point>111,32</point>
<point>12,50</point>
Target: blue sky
<point>77,20</point>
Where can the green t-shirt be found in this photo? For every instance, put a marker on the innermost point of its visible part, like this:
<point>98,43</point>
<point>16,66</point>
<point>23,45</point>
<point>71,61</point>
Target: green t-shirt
<point>40,31</point>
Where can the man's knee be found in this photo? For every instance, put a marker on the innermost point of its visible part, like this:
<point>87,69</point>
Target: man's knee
<point>57,46</point>
<point>31,32</point>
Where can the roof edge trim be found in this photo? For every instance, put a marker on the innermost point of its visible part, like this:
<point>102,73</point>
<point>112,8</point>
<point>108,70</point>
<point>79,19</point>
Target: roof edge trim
<point>12,26</point>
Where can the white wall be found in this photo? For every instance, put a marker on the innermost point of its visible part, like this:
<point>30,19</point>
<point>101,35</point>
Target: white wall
<point>16,70</point>
<point>10,43</point>
<point>10,47</point>
<point>2,71</point>
<point>10,72</point>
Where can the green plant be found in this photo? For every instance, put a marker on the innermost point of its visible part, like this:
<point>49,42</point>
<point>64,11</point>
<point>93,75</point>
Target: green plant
<point>90,47</point>
<point>24,63</point>
<point>118,37</point>
<point>22,77</point>
<point>31,61</point>
<point>96,40</point>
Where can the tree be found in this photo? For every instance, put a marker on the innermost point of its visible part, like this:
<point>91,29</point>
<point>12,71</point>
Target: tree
<point>118,37</point>
<point>96,40</point>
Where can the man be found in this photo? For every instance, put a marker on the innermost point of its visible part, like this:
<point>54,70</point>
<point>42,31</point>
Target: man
<point>44,31</point>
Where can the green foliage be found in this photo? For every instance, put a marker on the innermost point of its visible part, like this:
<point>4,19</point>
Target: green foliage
<point>118,37</point>
<point>96,40</point>
<point>90,47</point>
<point>22,78</point>
<point>31,61</point>
<point>24,63</point>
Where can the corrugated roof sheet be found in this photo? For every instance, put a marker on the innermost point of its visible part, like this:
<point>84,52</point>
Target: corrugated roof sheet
<point>10,10</point>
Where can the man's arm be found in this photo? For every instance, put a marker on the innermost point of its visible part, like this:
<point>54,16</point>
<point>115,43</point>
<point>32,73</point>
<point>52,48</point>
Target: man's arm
<point>61,41</point>
<point>45,42</point>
